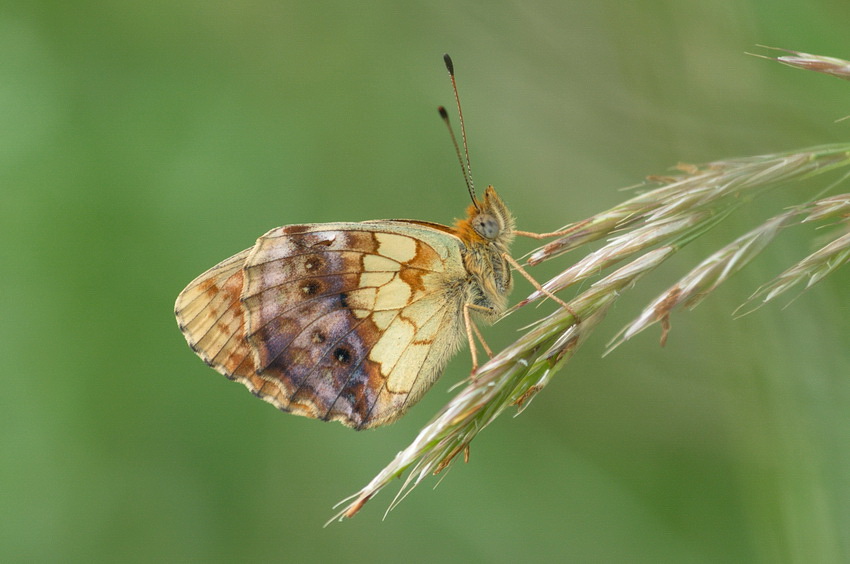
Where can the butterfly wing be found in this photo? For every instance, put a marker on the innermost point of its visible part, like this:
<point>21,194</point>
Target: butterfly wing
<point>211,316</point>
<point>345,321</point>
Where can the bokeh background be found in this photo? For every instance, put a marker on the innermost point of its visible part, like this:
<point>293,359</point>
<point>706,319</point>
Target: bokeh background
<point>143,142</point>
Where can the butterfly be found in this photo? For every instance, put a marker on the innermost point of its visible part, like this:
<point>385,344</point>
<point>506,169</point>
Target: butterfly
<point>353,322</point>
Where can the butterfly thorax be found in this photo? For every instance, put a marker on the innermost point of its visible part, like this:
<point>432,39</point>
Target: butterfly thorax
<point>487,233</point>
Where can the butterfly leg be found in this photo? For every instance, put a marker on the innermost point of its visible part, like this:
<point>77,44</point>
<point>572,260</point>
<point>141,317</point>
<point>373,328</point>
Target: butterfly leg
<point>468,323</point>
<point>518,267</point>
<point>549,235</point>
<point>481,340</point>
<point>472,332</point>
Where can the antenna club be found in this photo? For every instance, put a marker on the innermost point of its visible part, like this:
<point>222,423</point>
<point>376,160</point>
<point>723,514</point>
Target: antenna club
<point>463,158</point>
<point>449,64</point>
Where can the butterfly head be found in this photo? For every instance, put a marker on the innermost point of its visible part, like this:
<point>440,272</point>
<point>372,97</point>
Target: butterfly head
<point>487,221</point>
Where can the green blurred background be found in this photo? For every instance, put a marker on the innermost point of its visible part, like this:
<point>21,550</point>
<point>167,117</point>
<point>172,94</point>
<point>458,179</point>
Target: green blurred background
<point>143,142</point>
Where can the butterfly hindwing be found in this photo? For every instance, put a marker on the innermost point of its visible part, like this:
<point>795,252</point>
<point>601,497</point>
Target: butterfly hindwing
<point>353,321</point>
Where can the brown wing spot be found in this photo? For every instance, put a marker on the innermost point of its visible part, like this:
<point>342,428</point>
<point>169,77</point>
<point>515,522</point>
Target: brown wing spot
<point>313,263</point>
<point>293,229</point>
<point>310,287</point>
<point>318,337</point>
<point>342,355</point>
<point>209,287</point>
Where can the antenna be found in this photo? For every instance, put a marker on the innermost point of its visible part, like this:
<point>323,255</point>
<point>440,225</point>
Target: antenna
<point>465,164</point>
<point>463,167</point>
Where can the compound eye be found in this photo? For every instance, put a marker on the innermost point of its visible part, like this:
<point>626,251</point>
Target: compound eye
<point>486,226</point>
